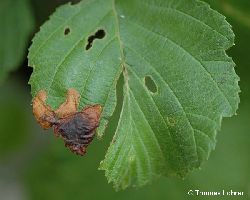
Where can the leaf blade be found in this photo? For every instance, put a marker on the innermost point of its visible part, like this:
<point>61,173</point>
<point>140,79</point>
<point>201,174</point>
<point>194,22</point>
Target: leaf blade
<point>189,75</point>
<point>170,131</point>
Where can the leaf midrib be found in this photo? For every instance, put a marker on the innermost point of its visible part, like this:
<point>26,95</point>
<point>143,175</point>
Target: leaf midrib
<point>188,53</point>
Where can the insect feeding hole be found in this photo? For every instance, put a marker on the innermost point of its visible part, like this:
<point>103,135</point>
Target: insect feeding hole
<point>66,31</point>
<point>99,34</point>
<point>150,84</point>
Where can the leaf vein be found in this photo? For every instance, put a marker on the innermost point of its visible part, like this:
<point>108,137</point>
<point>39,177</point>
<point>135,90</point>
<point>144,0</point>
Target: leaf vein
<point>178,101</point>
<point>186,15</point>
<point>70,51</point>
<point>187,53</point>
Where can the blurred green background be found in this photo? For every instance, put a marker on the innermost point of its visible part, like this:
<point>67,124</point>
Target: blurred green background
<point>34,165</point>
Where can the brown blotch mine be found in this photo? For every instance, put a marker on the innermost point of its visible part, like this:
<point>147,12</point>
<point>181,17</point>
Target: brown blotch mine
<point>42,112</point>
<point>76,128</point>
<point>70,105</point>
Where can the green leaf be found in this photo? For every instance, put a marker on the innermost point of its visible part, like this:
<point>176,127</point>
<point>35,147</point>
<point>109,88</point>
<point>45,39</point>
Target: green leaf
<point>16,24</point>
<point>178,80</point>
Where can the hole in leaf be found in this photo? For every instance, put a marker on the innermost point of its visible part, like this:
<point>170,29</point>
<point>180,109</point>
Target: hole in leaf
<point>66,31</point>
<point>150,84</point>
<point>99,34</point>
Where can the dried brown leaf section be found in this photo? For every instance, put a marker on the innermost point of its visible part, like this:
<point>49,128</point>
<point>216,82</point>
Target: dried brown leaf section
<point>76,128</point>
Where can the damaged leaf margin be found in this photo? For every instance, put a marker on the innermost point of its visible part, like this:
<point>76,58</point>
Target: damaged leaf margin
<point>76,128</point>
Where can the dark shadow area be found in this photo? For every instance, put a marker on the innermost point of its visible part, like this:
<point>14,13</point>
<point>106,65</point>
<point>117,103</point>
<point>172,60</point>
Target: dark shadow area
<point>100,34</point>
